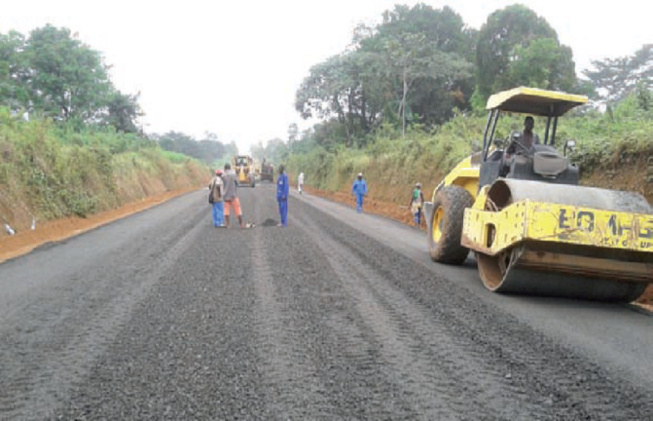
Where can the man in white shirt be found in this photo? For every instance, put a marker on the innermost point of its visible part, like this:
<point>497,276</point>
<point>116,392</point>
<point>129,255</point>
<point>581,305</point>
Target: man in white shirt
<point>300,182</point>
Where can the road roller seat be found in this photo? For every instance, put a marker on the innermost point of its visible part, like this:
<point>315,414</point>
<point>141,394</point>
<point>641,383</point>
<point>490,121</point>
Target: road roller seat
<point>545,164</point>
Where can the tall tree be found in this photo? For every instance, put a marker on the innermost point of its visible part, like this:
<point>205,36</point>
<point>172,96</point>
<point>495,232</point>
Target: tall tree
<point>616,78</point>
<point>413,57</point>
<point>542,64</point>
<point>68,80</point>
<point>510,42</point>
<point>13,71</point>
<point>425,51</point>
<point>335,89</point>
<point>413,62</point>
<point>122,112</point>
<point>443,27</point>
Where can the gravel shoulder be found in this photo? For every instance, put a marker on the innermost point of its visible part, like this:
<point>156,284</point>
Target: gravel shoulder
<point>338,316</point>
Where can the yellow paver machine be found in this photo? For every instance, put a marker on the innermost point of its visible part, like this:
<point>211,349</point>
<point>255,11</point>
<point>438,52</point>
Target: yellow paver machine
<point>533,229</point>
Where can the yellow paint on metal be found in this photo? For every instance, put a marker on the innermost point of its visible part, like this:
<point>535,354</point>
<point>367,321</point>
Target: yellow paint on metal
<point>437,221</point>
<point>481,199</point>
<point>492,232</point>
<point>535,101</point>
<point>464,175</point>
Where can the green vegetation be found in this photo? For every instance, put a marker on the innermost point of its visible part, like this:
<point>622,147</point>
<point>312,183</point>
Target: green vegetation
<point>605,141</point>
<point>516,47</point>
<point>210,150</point>
<point>70,141</point>
<point>406,100</point>
<point>52,74</point>
<point>49,171</point>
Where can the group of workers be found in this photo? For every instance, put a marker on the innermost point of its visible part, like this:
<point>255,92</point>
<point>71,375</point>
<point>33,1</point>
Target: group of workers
<point>224,197</point>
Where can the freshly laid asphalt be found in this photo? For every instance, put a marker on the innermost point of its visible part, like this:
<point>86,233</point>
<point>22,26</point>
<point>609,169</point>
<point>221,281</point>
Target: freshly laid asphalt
<point>337,316</point>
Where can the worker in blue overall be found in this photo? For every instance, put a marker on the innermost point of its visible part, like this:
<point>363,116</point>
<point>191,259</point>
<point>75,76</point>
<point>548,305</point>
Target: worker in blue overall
<point>359,189</point>
<point>283,189</point>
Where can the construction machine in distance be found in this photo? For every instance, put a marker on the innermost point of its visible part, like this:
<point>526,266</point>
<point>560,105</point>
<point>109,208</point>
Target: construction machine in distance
<point>533,229</point>
<point>267,171</point>
<point>243,165</point>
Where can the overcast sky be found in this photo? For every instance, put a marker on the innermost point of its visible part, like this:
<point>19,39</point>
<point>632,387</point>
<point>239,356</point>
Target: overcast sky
<point>232,67</point>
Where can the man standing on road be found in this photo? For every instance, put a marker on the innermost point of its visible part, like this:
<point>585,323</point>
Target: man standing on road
<point>217,192</point>
<point>359,189</point>
<point>300,182</point>
<point>231,196</point>
<point>282,196</point>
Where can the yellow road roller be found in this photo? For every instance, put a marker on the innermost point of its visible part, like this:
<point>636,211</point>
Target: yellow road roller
<point>518,206</point>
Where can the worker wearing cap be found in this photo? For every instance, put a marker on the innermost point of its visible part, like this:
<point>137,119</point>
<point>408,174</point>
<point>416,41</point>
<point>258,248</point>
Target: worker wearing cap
<point>359,189</point>
<point>283,190</point>
<point>416,202</point>
<point>217,192</point>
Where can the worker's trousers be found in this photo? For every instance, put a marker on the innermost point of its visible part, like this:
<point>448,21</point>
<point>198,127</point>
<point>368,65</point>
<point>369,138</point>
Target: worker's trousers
<point>359,202</point>
<point>283,211</point>
<point>218,211</point>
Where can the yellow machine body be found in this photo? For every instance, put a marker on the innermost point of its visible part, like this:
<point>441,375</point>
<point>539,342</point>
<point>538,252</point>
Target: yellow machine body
<point>542,236</point>
<point>244,167</point>
<point>552,223</point>
<point>464,175</point>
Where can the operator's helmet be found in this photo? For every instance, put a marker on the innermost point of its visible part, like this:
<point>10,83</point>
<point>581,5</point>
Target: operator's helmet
<point>360,175</point>
<point>418,185</point>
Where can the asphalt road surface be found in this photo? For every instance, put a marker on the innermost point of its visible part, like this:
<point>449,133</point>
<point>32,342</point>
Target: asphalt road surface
<point>338,316</point>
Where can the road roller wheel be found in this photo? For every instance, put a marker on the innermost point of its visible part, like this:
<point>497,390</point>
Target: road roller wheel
<point>447,225</point>
<point>493,269</point>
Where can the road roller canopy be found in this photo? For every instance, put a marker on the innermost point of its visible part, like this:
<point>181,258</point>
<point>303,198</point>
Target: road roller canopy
<point>535,101</point>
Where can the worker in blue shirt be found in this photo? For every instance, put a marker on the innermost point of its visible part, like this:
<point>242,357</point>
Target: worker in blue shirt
<point>282,196</point>
<point>359,189</point>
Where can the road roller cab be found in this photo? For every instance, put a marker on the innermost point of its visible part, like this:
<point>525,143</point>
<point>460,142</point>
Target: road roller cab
<point>533,230</point>
<point>513,157</point>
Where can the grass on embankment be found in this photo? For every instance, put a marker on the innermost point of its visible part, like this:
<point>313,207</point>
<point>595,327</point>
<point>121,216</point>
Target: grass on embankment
<point>49,172</point>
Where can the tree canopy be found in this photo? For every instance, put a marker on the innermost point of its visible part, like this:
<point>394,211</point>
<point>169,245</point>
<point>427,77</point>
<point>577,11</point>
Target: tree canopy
<point>614,79</point>
<point>207,150</point>
<point>412,67</point>
<point>517,47</point>
<point>53,74</point>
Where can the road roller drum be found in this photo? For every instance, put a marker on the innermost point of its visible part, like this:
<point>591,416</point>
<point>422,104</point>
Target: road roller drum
<point>559,240</point>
